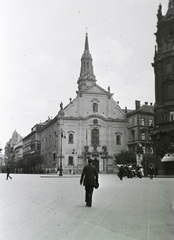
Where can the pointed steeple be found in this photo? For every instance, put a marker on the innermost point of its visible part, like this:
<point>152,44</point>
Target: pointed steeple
<point>86,43</point>
<point>87,77</point>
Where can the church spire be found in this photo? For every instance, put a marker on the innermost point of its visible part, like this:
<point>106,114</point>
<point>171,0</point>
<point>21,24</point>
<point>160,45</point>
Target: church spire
<point>86,43</point>
<point>87,77</point>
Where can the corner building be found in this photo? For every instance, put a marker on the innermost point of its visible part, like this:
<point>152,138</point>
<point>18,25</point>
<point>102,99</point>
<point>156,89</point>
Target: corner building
<point>91,125</point>
<point>164,78</point>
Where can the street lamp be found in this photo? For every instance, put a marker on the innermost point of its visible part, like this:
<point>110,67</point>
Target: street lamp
<point>61,136</point>
<point>74,163</point>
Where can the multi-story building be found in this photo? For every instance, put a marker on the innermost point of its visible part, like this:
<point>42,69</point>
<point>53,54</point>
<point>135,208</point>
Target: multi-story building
<point>164,80</point>
<point>32,142</point>
<point>139,123</point>
<point>18,150</point>
<point>9,148</point>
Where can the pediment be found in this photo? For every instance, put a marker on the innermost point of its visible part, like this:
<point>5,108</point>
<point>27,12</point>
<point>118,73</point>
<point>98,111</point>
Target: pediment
<point>97,89</point>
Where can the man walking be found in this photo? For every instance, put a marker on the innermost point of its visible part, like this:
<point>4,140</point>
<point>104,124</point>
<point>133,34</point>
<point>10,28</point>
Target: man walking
<point>151,172</point>
<point>8,173</point>
<point>89,177</point>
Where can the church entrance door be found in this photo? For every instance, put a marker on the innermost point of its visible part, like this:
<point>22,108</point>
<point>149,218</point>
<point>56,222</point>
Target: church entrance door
<point>95,162</point>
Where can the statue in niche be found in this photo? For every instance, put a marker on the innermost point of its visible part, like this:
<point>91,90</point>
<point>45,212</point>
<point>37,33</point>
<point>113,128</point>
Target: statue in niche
<point>95,107</point>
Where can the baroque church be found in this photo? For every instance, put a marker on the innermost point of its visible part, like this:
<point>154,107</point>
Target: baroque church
<point>91,125</point>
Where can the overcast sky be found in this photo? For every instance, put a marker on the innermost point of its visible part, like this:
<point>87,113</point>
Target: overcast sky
<point>41,44</point>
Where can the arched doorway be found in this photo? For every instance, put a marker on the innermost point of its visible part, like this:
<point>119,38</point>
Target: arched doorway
<point>95,162</point>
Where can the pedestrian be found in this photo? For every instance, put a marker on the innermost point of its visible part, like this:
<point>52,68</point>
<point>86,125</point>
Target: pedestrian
<point>121,173</point>
<point>8,173</point>
<point>151,172</point>
<point>89,178</point>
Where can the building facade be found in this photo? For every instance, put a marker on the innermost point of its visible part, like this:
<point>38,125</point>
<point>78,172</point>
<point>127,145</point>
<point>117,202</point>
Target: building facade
<point>140,121</point>
<point>164,79</point>
<point>9,154</point>
<point>91,125</point>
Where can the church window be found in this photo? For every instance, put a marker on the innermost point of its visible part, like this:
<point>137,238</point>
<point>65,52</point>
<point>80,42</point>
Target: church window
<point>95,107</point>
<point>95,137</point>
<point>87,65</point>
<point>70,160</point>
<point>71,138</point>
<point>118,140</point>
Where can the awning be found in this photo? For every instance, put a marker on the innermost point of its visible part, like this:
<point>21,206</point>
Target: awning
<point>168,158</point>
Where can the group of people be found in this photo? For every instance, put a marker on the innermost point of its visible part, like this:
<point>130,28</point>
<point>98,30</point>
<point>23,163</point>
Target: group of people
<point>132,171</point>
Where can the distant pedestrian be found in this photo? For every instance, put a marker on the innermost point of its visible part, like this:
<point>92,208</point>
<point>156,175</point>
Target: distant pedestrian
<point>89,178</point>
<point>8,173</point>
<point>151,172</point>
<point>121,173</point>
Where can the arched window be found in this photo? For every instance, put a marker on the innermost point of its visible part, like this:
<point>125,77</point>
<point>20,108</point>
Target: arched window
<point>95,107</point>
<point>95,137</point>
<point>71,138</point>
<point>118,140</point>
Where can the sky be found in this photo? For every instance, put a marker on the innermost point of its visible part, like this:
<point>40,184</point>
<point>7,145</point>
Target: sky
<point>41,44</point>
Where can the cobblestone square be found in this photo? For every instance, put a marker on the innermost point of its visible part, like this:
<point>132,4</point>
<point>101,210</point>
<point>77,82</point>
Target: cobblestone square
<point>35,207</point>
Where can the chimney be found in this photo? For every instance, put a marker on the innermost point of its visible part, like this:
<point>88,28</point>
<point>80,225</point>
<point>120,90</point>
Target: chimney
<point>146,103</point>
<point>151,104</point>
<point>125,109</point>
<point>137,104</point>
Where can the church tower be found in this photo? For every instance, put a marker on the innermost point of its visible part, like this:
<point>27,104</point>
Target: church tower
<point>87,77</point>
<point>164,74</point>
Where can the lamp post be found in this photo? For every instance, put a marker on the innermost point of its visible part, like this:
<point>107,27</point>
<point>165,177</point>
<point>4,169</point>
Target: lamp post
<point>61,136</point>
<point>74,152</point>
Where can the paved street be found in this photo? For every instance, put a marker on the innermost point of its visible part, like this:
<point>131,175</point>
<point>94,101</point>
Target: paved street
<point>38,208</point>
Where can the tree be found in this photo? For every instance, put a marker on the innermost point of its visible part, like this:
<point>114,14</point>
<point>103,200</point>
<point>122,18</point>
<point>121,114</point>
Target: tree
<point>125,157</point>
<point>164,143</point>
<point>30,163</point>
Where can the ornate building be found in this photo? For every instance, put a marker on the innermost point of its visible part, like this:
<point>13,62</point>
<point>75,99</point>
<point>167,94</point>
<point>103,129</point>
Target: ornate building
<point>10,147</point>
<point>91,125</point>
<point>164,79</point>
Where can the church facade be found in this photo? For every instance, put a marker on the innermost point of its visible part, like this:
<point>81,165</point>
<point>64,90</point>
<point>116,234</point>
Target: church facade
<point>91,125</point>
